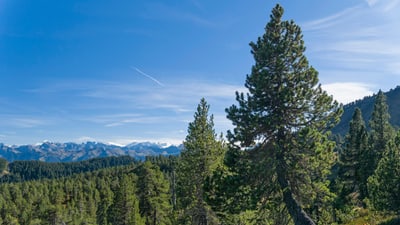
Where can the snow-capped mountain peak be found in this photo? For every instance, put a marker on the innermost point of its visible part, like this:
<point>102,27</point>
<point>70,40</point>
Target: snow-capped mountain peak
<point>64,152</point>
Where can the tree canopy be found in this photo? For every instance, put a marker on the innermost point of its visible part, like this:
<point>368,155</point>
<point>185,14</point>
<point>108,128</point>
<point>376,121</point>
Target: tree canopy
<point>201,155</point>
<point>284,117</point>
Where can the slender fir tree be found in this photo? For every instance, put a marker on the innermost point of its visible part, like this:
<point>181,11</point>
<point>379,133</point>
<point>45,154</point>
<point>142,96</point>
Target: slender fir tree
<point>201,155</point>
<point>381,133</point>
<point>384,184</point>
<point>350,157</point>
<point>125,207</point>
<point>283,119</point>
<point>381,130</point>
<point>154,195</point>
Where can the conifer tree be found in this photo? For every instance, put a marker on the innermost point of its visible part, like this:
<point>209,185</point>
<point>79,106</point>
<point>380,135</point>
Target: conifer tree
<point>384,184</point>
<point>153,193</point>
<point>3,165</point>
<point>125,207</point>
<point>283,119</point>
<point>381,130</point>
<point>356,144</point>
<point>105,202</point>
<point>381,133</point>
<point>200,157</point>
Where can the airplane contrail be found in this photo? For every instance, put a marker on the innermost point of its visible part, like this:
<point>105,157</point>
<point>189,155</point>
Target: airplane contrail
<point>148,76</point>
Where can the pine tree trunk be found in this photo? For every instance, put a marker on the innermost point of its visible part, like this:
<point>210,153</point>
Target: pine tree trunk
<point>155,217</point>
<point>296,212</point>
<point>173,188</point>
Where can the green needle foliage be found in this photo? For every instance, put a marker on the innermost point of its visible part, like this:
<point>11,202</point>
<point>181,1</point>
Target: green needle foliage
<point>154,196</point>
<point>380,135</point>
<point>201,155</point>
<point>3,165</point>
<point>384,184</point>
<point>107,197</point>
<point>282,122</point>
<point>351,159</point>
<point>125,208</point>
<point>350,183</point>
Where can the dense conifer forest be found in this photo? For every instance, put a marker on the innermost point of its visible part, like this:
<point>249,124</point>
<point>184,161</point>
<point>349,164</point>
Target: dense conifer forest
<point>279,165</point>
<point>34,170</point>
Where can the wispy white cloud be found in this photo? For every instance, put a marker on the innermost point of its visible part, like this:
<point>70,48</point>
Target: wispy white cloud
<point>177,96</point>
<point>105,109</point>
<point>175,103</point>
<point>18,121</point>
<point>114,120</point>
<point>141,120</point>
<point>361,40</point>
<point>175,107</point>
<point>27,122</point>
<point>331,20</point>
<point>347,92</point>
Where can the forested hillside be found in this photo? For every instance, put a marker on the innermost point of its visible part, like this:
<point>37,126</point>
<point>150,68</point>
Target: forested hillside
<point>366,105</point>
<point>18,171</point>
<point>124,195</point>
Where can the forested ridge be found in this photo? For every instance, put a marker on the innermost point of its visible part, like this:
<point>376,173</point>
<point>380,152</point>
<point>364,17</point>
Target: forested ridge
<point>366,105</point>
<point>279,165</point>
<point>18,171</point>
<point>106,196</point>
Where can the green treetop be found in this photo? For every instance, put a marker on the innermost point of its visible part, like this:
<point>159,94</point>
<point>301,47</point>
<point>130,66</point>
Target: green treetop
<point>350,157</point>
<point>125,207</point>
<point>381,133</point>
<point>384,184</point>
<point>3,165</point>
<point>381,130</point>
<point>201,155</point>
<point>154,196</point>
<point>284,117</point>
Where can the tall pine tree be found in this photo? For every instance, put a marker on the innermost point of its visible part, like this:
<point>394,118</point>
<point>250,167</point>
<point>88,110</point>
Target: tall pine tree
<point>356,144</point>
<point>283,119</point>
<point>201,155</point>
<point>125,207</point>
<point>154,196</point>
<point>384,184</point>
<point>381,130</point>
<point>381,133</point>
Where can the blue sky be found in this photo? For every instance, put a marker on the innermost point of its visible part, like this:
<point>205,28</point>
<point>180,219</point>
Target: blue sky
<point>135,70</point>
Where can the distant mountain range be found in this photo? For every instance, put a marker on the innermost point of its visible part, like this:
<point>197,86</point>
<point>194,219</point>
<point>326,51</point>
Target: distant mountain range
<point>70,152</point>
<point>367,105</point>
